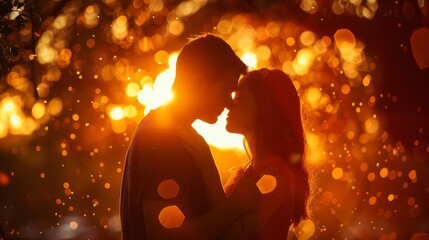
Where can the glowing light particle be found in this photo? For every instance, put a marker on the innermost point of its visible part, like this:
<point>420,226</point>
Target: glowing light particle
<point>224,26</point>
<point>120,27</point>
<point>412,174</point>
<point>176,27</point>
<point>313,95</point>
<point>371,126</point>
<point>132,89</point>
<point>74,225</point>
<point>372,200</point>
<point>161,57</point>
<point>345,89</point>
<point>4,179</point>
<point>266,184</point>
<point>303,61</point>
<point>345,40</point>
<point>171,217</point>
<point>263,53</point>
<point>38,110</point>
<point>305,229</point>
<point>384,172</point>
<point>371,176</point>
<point>250,59</point>
<point>156,5</point>
<point>116,113</point>
<point>337,173</point>
<point>168,189</point>
<point>307,38</point>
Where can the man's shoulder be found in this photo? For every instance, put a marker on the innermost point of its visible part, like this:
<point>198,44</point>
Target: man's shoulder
<point>161,143</point>
<point>150,129</point>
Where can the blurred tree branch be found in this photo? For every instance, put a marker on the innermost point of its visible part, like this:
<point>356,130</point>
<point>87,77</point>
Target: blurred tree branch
<point>14,17</point>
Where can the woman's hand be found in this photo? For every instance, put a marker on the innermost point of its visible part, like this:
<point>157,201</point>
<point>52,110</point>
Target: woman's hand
<point>246,193</point>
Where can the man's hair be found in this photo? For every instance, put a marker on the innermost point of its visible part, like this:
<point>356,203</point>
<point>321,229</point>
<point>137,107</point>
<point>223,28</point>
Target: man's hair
<point>204,58</point>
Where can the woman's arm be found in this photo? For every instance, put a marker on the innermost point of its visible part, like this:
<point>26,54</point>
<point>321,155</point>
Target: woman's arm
<point>251,223</point>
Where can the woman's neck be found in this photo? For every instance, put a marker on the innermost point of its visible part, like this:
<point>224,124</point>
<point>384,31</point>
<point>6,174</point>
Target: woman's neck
<point>255,153</point>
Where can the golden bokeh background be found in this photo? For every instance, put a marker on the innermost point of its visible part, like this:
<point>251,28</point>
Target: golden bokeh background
<point>70,104</point>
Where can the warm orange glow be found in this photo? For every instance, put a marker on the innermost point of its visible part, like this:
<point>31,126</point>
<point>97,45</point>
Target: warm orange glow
<point>91,16</point>
<point>168,189</point>
<point>156,5</point>
<point>307,38</point>
<point>412,174</point>
<point>55,106</point>
<point>4,179</point>
<point>344,40</point>
<point>74,225</point>
<point>384,172</point>
<point>303,61</point>
<point>119,126</point>
<point>316,147</point>
<point>132,89</point>
<point>176,27</point>
<point>130,111</point>
<point>337,173</point>
<point>371,126</point>
<point>224,26</point>
<point>372,200</point>
<point>162,88</point>
<point>263,53</point>
<point>161,57</point>
<point>116,113</point>
<point>38,110</point>
<point>305,230</point>
<point>250,59</point>
<point>216,135</point>
<point>120,27</point>
<point>313,96</point>
<point>171,217</point>
<point>266,184</point>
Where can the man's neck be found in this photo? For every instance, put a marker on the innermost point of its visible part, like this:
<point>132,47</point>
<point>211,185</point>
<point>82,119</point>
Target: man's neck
<point>180,113</point>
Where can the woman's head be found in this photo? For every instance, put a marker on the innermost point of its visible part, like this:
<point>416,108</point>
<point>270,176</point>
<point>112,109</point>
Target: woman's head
<point>267,108</point>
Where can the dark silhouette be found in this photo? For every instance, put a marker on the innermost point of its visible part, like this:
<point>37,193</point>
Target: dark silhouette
<point>169,168</point>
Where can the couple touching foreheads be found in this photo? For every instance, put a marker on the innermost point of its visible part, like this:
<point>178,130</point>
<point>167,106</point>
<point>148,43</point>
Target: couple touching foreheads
<point>171,187</point>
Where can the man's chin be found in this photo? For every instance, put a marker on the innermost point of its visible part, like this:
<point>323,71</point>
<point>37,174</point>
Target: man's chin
<point>209,120</point>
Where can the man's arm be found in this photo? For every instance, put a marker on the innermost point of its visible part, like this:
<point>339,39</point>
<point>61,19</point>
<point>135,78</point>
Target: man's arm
<point>164,212</point>
<point>208,226</point>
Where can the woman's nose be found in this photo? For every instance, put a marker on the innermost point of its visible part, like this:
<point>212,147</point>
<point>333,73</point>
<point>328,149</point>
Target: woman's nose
<point>229,103</point>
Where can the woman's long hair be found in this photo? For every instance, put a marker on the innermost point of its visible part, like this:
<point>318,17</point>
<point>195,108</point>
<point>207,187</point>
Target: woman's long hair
<point>279,130</point>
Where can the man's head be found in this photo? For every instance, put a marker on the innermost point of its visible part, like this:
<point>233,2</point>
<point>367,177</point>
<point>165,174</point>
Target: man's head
<point>207,71</point>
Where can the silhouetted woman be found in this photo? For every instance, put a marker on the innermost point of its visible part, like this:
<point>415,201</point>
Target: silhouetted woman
<point>267,111</point>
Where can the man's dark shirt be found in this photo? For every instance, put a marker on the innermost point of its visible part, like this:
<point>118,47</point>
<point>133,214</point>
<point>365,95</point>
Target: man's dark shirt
<point>156,153</point>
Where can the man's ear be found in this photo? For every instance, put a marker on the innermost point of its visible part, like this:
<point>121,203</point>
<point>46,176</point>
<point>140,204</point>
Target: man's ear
<point>202,87</point>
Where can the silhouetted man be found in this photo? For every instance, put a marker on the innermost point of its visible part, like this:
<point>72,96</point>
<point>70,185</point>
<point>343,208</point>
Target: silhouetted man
<point>171,187</point>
